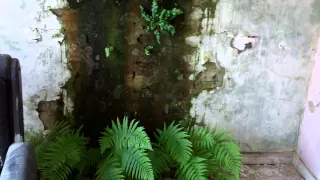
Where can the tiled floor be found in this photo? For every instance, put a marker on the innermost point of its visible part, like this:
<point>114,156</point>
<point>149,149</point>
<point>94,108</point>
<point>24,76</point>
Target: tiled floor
<point>270,172</point>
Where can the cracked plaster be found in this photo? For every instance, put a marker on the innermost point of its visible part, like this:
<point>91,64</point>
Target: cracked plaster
<point>28,31</point>
<point>262,98</point>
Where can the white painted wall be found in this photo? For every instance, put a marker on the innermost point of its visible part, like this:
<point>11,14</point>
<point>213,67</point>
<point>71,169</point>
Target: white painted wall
<point>43,63</point>
<point>264,91</point>
<point>309,138</point>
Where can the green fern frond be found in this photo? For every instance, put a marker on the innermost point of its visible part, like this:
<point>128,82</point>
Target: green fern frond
<point>201,138</point>
<point>220,135</point>
<point>107,140</point>
<point>34,138</point>
<point>163,14</point>
<point>226,154</point>
<point>170,29</point>
<point>157,35</point>
<point>194,169</point>
<point>161,161</point>
<point>136,163</point>
<point>174,13</point>
<point>145,16</point>
<point>175,142</point>
<point>154,8</point>
<point>54,130</point>
<point>90,159</point>
<point>110,169</point>
<point>222,155</point>
<point>59,158</point>
<point>52,145</point>
<point>125,136</point>
<point>93,156</point>
<point>221,175</point>
<point>41,151</point>
<point>57,129</point>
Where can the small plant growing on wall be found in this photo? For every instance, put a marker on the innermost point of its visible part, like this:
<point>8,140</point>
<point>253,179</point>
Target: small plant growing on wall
<point>147,50</point>
<point>108,50</point>
<point>159,20</point>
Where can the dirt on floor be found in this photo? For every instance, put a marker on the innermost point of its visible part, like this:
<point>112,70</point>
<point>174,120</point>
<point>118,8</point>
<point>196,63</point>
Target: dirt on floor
<point>270,172</point>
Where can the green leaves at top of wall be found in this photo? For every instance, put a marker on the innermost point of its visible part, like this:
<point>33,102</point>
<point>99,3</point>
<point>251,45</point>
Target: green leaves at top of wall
<point>159,20</point>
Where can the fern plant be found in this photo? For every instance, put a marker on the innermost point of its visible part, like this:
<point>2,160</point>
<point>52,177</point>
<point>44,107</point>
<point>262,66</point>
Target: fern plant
<point>194,153</point>
<point>126,145</point>
<point>159,21</point>
<point>62,151</point>
<point>197,153</point>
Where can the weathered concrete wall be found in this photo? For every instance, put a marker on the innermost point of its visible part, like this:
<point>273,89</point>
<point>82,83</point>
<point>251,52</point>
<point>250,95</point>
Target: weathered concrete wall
<point>31,33</point>
<point>267,48</point>
<point>309,138</point>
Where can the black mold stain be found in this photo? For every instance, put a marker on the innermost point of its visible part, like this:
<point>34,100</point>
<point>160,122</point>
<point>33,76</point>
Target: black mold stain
<point>166,98</point>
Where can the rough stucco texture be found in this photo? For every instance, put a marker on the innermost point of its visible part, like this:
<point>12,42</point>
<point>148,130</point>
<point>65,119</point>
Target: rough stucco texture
<point>28,32</point>
<point>265,87</point>
<point>309,138</point>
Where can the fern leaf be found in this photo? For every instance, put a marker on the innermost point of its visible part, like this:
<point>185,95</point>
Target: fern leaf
<point>226,154</point>
<point>91,158</point>
<point>58,129</point>
<point>136,136</point>
<point>35,138</point>
<point>110,169</point>
<point>161,161</point>
<point>145,16</point>
<point>157,35</point>
<point>171,30</point>
<point>136,163</point>
<point>163,13</point>
<point>154,8</point>
<point>201,138</point>
<point>174,13</point>
<point>41,154</point>
<point>125,136</point>
<point>175,142</point>
<point>61,157</point>
<point>107,140</point>
<point>194,169</point>
<point>221,135</point>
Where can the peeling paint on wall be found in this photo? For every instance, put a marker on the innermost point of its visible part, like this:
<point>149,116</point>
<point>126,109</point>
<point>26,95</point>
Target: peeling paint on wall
<point>28,31</point>
<point>267,55</point>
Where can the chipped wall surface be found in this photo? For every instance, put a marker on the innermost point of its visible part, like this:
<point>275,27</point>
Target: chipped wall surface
<point>309,138</point>
<point>31,33</point>
<point>267,49</point>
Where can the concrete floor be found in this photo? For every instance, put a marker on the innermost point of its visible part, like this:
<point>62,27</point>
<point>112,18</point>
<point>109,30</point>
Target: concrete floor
<point>270,172</point>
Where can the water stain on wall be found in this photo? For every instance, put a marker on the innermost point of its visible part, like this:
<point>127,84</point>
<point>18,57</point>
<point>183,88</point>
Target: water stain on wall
<point>153,89</point>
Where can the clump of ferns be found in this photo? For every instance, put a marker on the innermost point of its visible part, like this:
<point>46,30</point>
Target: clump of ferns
<point>126,152</point>
<point>62,151</point>
<point>159,21</point>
